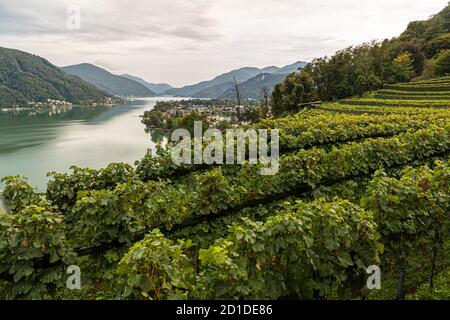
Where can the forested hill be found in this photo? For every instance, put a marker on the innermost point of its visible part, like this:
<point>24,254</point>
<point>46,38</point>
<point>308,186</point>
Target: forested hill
<point>432,35</point>
<point>25,77</point>
<point>108,82</point>
<point>421,52</point>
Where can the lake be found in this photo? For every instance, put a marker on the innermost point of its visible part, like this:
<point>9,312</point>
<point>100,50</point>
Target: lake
<point>33,144</point>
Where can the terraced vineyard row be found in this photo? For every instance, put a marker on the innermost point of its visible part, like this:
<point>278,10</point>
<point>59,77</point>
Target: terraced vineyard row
<point>430,94</point>
<point>405,96</point>
<point>399,93</point>
<point>420,87</point>
<point>426,103</point>
<point>377,110</point>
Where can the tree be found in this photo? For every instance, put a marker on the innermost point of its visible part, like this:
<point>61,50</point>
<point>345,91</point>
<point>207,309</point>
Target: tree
<point>276,101</point>
<point>222,125</point>
<point>286,95</point>
<point>251,114</point>
<point>309,86</point>
<point>417,56</point>
<point>367,83</point>
<point>265,96</point>
<point>187,122</point>
<point>236,87</point>
<point>442,64</point>
<point>430,69</point>
<point>437,44</point>
<point>169,123</point>
<point>403,67</point>
<point>153,119</point>
<point>295,89</point>
<point>157,135</point>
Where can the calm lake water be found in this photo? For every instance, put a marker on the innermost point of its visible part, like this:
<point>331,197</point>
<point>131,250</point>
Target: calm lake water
<point>32,145</point>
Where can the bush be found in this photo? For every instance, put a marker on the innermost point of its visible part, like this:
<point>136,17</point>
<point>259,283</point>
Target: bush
<point>18,193</point>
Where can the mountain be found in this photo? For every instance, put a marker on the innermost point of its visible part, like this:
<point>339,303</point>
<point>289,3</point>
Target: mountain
<point>108,82</point>
<point>214,91</point>
<point>271,69</point>
<point>241,74</point>
<point>251,89</point>
<point>155,87</point>
<point>219,85</point>
<point>291,68</point>
<point>25,77</point>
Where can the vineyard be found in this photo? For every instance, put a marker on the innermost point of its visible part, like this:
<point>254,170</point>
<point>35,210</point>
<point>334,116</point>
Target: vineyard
<point>361,182</point>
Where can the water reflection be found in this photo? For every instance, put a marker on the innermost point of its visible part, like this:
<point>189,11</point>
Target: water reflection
<point>34,144</point>
<point>20,130</point>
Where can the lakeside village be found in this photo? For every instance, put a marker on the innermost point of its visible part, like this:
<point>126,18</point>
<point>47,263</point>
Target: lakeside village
<point>221,114</point>
<point>52,106</point>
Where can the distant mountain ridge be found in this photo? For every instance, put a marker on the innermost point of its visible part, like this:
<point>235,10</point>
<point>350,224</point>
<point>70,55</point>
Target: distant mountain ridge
<point>252,88</point>
<point>290,68</point>
<point>222,85</point>
<point>155,87</point>
<point>107,82</point>
<point>25,77</point>
<point>241,74</point>
<point>214,91</point>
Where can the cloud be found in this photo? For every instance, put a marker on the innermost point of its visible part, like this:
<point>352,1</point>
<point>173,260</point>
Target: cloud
<point>109,20</point>
<point>186,41</point>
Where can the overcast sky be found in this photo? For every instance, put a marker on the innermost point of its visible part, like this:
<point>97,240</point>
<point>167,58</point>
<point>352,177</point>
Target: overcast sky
<point>187,41</point>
